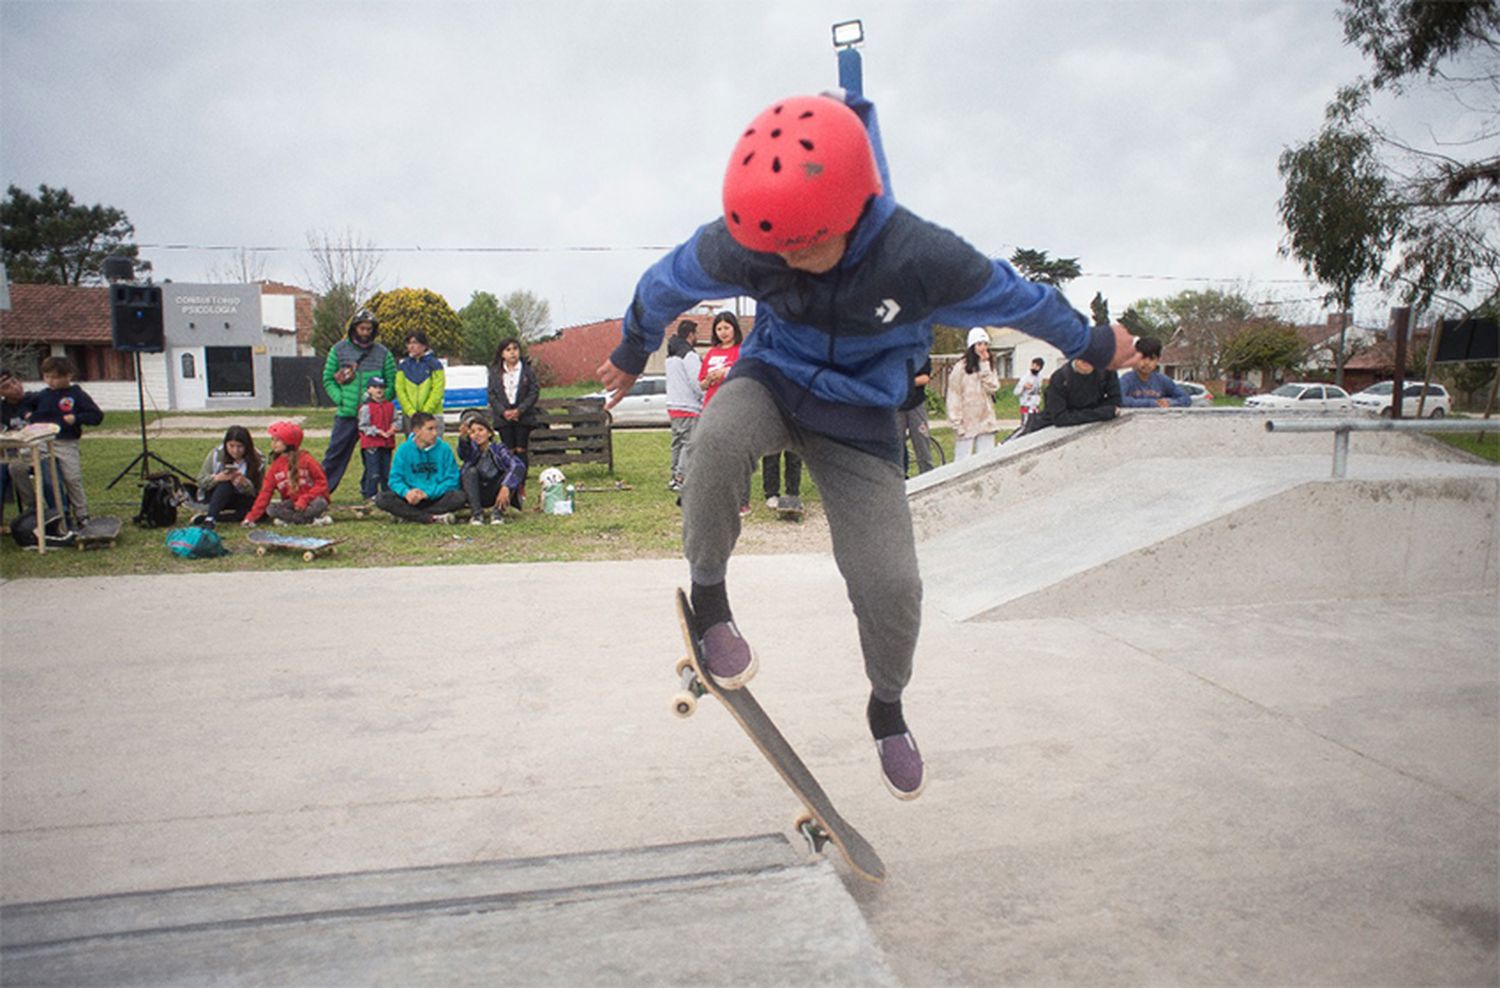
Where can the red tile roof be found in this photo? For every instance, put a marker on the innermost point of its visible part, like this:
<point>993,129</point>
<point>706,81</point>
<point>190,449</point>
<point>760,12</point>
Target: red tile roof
<point>57,314</point>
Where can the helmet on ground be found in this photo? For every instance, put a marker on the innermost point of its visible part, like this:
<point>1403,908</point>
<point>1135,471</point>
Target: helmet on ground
<point>552,476</point>
<point>800,174</point>
<point>363,315</point>
<point>288,432</point>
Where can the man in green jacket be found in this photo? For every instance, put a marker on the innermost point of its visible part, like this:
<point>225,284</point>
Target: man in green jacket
<point>351,363</point>
<point>420,381</point>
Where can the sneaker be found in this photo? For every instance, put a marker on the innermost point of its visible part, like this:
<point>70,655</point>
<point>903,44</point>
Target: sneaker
<point>497,518</point>
<point>773,503</point>
<point>729,658</point>
<point>323,520</point>
<point>199,520</point>
<point>478,519</point>
<point>901,765</point>
<point>279,523</point>
<point>446,518</point>
<point>744,511</point>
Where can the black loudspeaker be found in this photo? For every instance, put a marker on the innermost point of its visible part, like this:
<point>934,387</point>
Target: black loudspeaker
<point>136,314</point>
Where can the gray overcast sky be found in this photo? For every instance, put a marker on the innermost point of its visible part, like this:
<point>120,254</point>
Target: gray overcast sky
<point>1140,136</point>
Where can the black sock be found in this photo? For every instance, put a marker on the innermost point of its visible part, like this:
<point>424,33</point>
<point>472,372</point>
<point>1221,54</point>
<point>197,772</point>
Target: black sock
<point>710,605</point>
<point>885,718</point>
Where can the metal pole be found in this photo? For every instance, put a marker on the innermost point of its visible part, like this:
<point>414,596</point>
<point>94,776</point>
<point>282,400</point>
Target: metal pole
<point>1400,322</point>
<point>1340,453</point>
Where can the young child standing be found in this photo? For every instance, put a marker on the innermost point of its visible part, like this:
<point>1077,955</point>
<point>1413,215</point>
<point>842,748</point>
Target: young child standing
<point>379,421</point>
<point>848,285</point>
<point>70,407</point>
<point>297,476</point>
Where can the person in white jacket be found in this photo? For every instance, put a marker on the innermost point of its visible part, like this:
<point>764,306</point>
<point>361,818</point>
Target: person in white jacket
<point>971,398</point>
<point>684,396</point>
<point>1029,390</point>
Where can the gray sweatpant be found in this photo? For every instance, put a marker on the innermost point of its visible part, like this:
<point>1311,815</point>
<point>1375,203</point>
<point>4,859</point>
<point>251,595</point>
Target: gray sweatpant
<point>864,498</point>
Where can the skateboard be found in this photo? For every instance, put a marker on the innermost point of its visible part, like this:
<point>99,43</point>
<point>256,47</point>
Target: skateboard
<point>98,533</point>
<point>790,512</point>
<point>818,823</point>
<point>310,547</point>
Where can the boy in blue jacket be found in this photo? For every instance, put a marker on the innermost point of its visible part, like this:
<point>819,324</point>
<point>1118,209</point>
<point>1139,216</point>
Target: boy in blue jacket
<point>424,477</point>
<point>848,285</point>
<point>1146,387</point>
<point>70,408</point>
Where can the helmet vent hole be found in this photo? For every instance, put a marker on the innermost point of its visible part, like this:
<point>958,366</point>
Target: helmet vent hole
<point>806,144</point>
<point>747,158</point>
<point>777,110</point>
<point>748,132</point>
<point>776,132</point>
<point>805,114</point>
<point>765,226</point>
<point>776,165</point>
<point>735,216</point>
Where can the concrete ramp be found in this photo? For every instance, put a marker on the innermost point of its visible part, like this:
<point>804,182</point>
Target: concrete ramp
<point>1146,513</point>
<point>659,915</point>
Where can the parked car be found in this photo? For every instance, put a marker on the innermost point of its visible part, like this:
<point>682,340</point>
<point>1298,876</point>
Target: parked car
<point>1202,397</point>
<point>645,404</point>
<point>1304,395</point>
<point>1376,399</point>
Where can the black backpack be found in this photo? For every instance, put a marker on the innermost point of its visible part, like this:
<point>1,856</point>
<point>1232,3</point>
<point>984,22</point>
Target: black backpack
<point>23,531</point>
<point>159,500</point>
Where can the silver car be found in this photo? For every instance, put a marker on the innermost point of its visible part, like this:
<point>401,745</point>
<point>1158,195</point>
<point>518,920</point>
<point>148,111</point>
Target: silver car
<point>645,404</point>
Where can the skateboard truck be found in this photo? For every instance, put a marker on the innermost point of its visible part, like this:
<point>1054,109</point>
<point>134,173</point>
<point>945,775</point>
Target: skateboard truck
<point>812,832</point>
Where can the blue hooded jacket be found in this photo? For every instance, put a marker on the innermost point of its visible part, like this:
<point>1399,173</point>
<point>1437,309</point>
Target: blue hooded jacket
<point>838,350</point>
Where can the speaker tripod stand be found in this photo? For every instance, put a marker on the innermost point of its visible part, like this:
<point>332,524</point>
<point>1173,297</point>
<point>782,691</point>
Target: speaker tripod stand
<point>144,458</point>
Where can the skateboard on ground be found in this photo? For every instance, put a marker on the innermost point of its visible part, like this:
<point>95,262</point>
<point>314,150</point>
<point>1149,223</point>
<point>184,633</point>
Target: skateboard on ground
<point>310,547</point>
<point>789,512</point>
<point>98,533</point>
<point>818,823</point>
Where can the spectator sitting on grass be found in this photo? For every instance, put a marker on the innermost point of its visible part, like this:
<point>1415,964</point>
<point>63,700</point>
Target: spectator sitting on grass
<point>491,476</point>
<point>424,477</point>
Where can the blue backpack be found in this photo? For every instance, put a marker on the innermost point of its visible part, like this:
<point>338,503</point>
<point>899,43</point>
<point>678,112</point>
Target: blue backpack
<point>196,543</point>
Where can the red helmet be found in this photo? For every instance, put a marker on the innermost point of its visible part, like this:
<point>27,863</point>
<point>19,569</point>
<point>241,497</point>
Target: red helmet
<point>801,173</point>
<point>288,432</point>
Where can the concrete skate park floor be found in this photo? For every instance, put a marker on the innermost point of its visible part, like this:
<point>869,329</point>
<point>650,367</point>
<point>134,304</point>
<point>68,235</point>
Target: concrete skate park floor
<point>1248,789</point>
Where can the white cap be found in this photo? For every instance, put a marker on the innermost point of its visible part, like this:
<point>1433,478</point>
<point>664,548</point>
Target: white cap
<point>978,335</point>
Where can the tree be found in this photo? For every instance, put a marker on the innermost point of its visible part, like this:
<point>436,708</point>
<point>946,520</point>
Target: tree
<point>51,239</point>
<point>1037,266</point>
<point>1442,201</point>
<point>240,267</point>
<point>331,315</point>
<point>345,268</point>
<point>403,310</point>
<point>1266,346</point>
<point>532,315</point>
<point>485,324</point>
<point>1100,308</point>
<point>1336,208</point>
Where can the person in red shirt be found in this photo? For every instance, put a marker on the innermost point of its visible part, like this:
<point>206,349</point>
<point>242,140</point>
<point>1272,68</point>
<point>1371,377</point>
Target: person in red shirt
<point>299,478</point>
<point>717,364</point>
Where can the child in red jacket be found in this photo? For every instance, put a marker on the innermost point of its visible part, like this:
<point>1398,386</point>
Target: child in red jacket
<point>299,478</point>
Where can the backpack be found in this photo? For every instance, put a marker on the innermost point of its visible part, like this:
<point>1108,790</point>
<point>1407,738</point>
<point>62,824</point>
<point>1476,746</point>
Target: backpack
<point>195,543</point>
<point>159,500</point>
<point>23,531</point>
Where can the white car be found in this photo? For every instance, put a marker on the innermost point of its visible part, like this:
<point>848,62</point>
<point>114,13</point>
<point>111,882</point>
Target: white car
<point>1376,399</point>
<point>646,404</point>
<point>1307,396</point>
<point>1201,396</point>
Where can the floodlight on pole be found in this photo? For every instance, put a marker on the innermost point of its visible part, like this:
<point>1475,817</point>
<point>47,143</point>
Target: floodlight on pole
<point>847,37</point>
<point>847,34</point>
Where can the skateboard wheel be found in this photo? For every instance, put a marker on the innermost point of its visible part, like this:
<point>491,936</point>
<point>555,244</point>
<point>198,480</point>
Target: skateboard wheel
<point>806,825</point>
<point>682,663</point>
<point>683,704</point>
<point>260,550</point>
<point>307,556</point>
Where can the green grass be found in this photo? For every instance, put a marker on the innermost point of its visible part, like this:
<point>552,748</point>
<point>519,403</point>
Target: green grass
<point>1486,445</point>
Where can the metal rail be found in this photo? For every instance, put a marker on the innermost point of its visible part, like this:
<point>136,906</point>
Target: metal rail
<point>1342,427</point>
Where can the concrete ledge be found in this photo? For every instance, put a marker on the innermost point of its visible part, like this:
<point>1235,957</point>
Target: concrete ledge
<point>655,915</point>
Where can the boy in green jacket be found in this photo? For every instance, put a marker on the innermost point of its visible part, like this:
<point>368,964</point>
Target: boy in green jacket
<point>420,381</point>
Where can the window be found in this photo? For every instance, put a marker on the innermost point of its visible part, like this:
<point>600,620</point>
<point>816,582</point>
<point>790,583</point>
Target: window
<point>230,371</point>
<point>189,367</point>
<point>1312,394</point>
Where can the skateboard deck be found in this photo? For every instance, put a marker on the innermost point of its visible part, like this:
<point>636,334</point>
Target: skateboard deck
<point>98,533</point>
<point>310,547</point>
<point>790,514</point>
<point>819,822</point>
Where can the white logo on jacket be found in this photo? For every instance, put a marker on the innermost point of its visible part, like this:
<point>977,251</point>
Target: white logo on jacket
<point>887,310</point>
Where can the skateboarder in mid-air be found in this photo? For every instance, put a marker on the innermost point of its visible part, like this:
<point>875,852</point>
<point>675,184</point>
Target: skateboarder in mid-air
<point>847,285</point>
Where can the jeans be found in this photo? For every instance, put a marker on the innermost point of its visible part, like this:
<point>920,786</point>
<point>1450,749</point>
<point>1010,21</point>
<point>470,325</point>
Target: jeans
<point>770,474</point>
<point>340,446</point>
<point>288,512</point>
<point>377,470</point>
<point>227,502</point>
<point>395,504</point>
